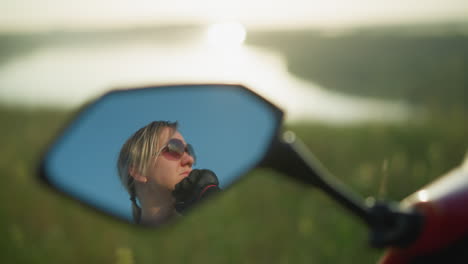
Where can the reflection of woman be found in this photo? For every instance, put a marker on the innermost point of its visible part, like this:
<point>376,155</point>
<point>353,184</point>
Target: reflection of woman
<point>150,165</point>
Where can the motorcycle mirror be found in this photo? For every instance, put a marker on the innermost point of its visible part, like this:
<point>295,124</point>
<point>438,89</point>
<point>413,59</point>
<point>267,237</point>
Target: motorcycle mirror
<point>230,127</point>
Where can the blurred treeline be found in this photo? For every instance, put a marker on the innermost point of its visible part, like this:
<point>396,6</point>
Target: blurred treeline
<point>418,64</point>
<point>14,44</point>
<point>264,218</point>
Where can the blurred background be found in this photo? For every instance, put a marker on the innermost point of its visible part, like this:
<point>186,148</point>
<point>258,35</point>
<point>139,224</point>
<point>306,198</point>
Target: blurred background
<point>376,89</point>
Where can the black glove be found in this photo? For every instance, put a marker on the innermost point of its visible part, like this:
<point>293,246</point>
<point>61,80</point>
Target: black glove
<point>198,185</point>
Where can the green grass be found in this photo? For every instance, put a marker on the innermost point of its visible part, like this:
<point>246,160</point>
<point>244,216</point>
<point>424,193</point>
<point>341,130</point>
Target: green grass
<point>264,218</point>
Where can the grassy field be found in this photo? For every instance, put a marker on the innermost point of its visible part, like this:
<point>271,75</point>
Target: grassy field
<point>266,217</point>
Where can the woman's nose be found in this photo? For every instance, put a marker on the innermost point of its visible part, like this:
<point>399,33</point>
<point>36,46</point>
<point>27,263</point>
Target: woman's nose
<point>187,160</point>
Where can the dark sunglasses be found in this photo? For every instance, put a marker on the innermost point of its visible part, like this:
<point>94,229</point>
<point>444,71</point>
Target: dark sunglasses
<point>175,148</point>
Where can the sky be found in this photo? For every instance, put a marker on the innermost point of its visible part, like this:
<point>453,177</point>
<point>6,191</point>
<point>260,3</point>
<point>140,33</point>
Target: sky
<point>83,160</point>
<point>57,14</point>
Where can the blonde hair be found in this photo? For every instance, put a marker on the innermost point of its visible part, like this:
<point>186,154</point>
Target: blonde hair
<point>137,153</point>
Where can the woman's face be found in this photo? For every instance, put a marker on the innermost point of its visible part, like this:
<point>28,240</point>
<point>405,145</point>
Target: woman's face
<point>167,171</point>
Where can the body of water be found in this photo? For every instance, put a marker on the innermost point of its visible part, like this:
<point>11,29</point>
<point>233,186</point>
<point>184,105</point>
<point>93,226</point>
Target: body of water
<point>67,75</point>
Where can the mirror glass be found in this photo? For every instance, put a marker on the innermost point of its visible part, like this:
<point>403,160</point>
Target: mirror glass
<point>229,127</point>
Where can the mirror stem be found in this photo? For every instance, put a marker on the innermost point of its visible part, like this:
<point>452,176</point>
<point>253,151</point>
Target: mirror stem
<point>388,224</point>
<point>290,156</point>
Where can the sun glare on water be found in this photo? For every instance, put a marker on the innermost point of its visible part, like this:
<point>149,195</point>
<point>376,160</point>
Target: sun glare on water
<point>226,34</point>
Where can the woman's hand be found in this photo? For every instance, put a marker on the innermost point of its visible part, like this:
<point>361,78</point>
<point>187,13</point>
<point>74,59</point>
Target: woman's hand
<point>198,185</point>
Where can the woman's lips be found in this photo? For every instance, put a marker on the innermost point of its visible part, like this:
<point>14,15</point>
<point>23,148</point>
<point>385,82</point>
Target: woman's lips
<point>185,174</point>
